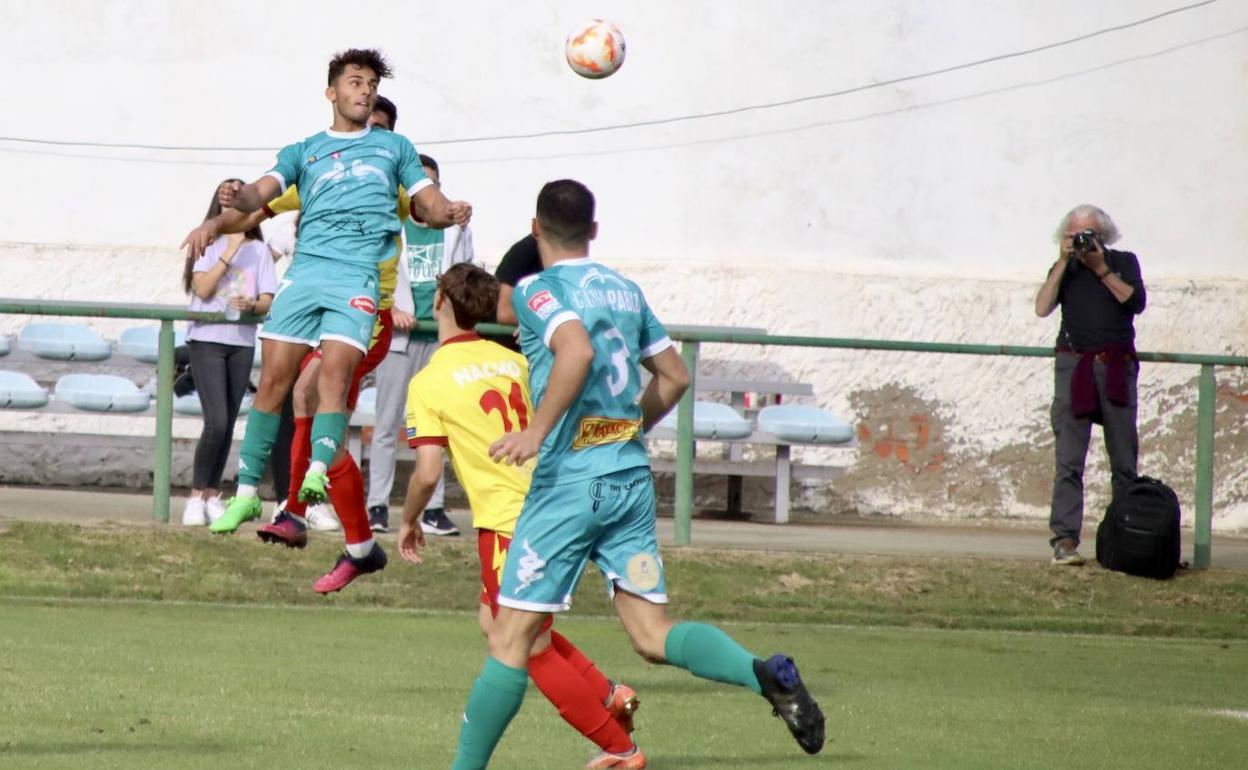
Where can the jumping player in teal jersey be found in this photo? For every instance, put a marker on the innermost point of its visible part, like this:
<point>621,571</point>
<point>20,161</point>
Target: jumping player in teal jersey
<point>348,178</point>
<point>585,330</point>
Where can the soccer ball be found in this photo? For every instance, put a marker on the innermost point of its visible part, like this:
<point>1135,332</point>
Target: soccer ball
<point>595,49</point>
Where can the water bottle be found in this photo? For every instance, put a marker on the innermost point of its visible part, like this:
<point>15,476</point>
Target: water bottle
<point>238,284</point>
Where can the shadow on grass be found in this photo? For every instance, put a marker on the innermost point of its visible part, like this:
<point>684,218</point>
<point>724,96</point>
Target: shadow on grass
<point>55,748</point>
<point>756,760</point>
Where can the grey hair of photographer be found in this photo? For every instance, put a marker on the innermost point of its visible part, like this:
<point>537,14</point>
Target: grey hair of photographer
<point>1105,226</point>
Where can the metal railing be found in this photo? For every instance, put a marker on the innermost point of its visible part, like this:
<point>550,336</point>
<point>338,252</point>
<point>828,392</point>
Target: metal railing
<point>691,339</point>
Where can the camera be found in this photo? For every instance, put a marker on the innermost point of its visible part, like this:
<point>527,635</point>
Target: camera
<point>1085,241</point>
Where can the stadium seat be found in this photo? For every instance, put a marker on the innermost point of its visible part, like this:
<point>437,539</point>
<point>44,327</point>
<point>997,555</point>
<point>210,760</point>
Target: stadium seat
<point>19,391</point>
<point>5,345</point>
<point>189,404</point>
<point>64,342</point>
<point>143,342</point>
<point>102,393</point>
<point>713,421</point>
<point>804,425</point>
<point>367,403</point>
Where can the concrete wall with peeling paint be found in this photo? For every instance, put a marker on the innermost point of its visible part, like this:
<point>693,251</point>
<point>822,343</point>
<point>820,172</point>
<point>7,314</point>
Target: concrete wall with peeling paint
<point>940,435</point>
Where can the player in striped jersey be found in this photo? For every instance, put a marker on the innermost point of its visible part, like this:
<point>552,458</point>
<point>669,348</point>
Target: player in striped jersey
<point>472,392</point>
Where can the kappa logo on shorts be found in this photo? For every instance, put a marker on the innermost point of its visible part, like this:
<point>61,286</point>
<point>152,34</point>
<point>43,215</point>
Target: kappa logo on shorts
<point>364,303</point>
<point>530,568</point>
<point>328,443</point>
<point>544,304</point>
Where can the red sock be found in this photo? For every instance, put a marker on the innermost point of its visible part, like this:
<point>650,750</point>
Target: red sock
<point>300,457</point>
<point>577,703</point>
<point>346,492</point>
<point>598,683</point>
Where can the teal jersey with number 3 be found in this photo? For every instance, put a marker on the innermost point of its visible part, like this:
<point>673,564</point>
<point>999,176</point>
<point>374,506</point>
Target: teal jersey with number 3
<point>601,431</point>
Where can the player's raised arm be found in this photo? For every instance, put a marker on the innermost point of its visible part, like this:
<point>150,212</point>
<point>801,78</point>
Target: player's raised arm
<point>251,197</point>
<point>670,381</point>
<point>230,220</point>
<point>573,357</point>
<point>431,206</point>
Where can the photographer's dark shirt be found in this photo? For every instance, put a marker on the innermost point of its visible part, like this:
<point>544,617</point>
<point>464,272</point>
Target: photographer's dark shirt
<point>1092,318</point>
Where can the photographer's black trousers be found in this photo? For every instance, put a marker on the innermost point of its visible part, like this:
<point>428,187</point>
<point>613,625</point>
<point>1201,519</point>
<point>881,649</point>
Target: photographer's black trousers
<point>1071,436</point>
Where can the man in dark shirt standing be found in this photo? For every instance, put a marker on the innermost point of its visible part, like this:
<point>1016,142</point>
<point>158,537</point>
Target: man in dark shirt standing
<point>520,261</point>
<point>1095,372</point>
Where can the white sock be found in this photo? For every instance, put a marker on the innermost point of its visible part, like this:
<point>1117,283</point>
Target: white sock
<point>247,490</point>
<point>360,550</point>
<point>316,466</point>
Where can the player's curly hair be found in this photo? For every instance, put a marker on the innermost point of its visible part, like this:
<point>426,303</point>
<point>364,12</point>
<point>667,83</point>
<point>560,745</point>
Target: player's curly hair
<point>361,57</point>
<point>472,292</point>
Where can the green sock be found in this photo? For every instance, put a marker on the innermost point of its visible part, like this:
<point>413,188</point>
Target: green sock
<point>708,653</point>
<point>493,702</point>
<point>257,444</point>
<point>328,430</point>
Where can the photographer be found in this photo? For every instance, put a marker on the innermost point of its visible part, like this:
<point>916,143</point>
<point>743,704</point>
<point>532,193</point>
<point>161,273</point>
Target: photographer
<point>1100,292</point>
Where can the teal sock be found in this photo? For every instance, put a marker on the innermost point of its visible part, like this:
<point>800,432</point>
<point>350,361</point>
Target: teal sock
<point>328,430</point>
<point>708,653</point>
<point>493,702</point>
<point>258,441</point>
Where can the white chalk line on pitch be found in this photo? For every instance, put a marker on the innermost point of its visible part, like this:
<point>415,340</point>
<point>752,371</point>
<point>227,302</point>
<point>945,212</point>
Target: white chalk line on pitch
<point>1240,714</point>
<point>596,618</point>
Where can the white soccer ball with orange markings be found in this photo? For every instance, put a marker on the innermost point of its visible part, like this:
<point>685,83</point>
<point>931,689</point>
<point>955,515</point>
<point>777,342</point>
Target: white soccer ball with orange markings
<point>595,49</point>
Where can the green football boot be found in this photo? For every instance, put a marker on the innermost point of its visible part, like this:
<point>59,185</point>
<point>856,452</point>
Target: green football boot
<point>312,491</point>
<point>238,510</point>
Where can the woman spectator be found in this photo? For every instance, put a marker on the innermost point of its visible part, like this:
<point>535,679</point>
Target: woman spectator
<point>235,275</point>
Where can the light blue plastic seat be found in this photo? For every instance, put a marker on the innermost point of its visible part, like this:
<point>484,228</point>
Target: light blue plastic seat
<point>19,391</point>
<point>101,393</point>
<point>366,404</point>
<point>143,342</point>
<point>189,404</point>
<point>5,345</point>
<point>64,342</point>
<point>713,421</point>
<point>804,425</point>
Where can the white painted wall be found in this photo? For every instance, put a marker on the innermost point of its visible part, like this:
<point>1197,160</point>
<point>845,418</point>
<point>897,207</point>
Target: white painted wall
<point>919,211</point>
<point>975,184</point>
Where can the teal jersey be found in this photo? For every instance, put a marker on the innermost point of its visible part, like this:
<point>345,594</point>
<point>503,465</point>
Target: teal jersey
<point>349,187</point>
<point>601,431</point>
<point>426,251</point>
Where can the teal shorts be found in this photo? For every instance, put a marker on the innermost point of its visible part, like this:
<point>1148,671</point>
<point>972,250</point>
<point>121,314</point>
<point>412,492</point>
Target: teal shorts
<point>324,299</point>
<point>609,520</point>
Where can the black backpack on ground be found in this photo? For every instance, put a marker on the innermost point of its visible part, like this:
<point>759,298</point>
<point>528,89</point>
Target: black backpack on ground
<point>1140,532</point>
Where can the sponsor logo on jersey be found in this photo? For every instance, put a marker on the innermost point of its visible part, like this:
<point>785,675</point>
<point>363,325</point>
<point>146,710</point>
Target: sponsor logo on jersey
<point>544,304</point>
<point>411,433</point>
<point>595,431</point>
<point>328,443</point>
<point>364,304</point>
